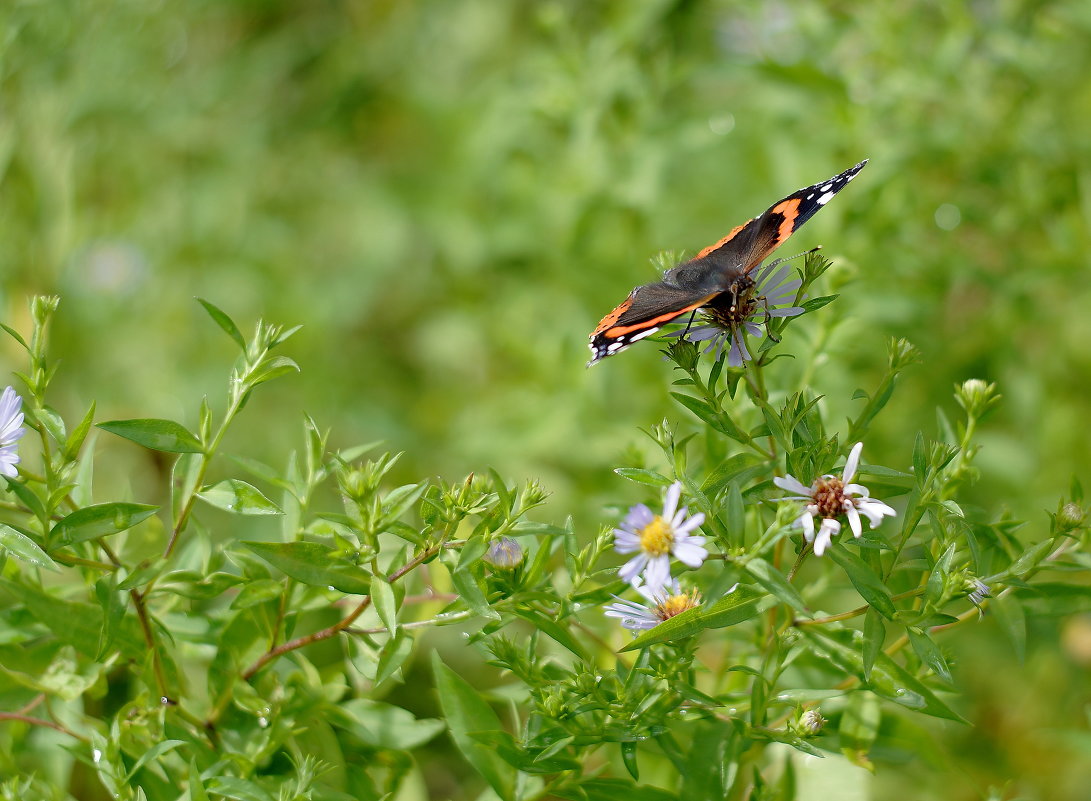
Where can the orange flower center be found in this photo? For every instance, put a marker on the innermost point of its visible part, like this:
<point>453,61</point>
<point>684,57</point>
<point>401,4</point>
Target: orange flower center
<point>677,604</point>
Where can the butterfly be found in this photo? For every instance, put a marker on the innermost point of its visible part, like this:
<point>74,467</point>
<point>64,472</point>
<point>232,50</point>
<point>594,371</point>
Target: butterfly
<point>718,278</point>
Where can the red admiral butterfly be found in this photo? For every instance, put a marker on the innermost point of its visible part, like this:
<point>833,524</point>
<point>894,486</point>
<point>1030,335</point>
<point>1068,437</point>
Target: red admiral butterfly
<point>718,277</point>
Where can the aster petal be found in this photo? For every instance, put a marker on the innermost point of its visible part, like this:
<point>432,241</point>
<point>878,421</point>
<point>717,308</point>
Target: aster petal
<point>703,332</point>
<point>690,524</point>
<point>852,462</point>
<point>626,541</point>
<point>670,505</point>
<point>778,277</point>
<point>631,569</point>
<point>826,532</point>
<point>638,517</point>
<point>8,460</point>
<point>790,311</point>
<point>753,329</point>
<point>690,554</point>
<point>854,519</point>
<point>792,484</point>
<point>874,510</point>
<point>658,572</point>
<point>738,355</point>
<point>806,522</point>
<point>855,489</point>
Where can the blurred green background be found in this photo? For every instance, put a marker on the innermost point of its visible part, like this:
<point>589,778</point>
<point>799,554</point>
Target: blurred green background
<point>449,195</point>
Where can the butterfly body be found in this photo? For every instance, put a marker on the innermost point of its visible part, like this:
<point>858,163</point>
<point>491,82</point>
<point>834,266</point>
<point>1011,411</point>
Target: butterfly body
<point>718,277</point>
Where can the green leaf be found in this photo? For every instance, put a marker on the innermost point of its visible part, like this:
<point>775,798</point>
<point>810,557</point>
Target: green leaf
<point>100,520</point>
<point>29,499</point>
<point>612,790</point>
<point>314,564</point>
<point>158,435</point>
<point>270,369</point>
<point>156,751</point>
<point>382,597</point>
<point>860,723</point>
<point>23,547</point>
<point>393,655</point>
<point>707,759</point>
<point>817,303</point>
<point>1055,598</point>
<point>466,712</point>
<point>554,629</point>
<point>1030,558</point>
<point>79,434</point>
<point>929,652</point>
<point>888,679</point>
<point>238,789</point>
<point>75,623</point>
<point>628,758</point>
<point>640,476</point>
<point>224,322</point>
<point>732,609</point>
<point>380,725</point>
<point>234,495</point>
<point>874,635</point>
<point>864,579</point>
<point>776,583</point>
<point>524,759</point>
<point>258,591</point>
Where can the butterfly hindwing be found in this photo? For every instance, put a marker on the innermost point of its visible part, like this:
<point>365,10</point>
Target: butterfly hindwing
<point>644,312</point>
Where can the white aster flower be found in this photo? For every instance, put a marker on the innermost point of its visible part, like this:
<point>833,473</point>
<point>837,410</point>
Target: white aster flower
<point>655,538</point>
<point>831,498</point>
<point>11,429</point>
<point>665,602</point>
<point>745,309</point>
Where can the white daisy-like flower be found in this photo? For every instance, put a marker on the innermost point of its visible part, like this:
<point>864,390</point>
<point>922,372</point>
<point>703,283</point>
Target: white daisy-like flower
<point>744,309</point>
<point>830,498</point>
<point>11,429</point>
<point>655,538</point>
<point>664,602</point>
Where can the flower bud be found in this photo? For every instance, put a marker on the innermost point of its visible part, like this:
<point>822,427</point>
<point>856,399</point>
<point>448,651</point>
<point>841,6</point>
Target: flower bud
<point>504,554</point>
<point>1070,517</point>
<point>809,723</point>
<point>976,396</point>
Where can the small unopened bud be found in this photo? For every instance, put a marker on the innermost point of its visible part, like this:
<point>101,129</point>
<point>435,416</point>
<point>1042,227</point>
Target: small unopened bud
<point>976,396</point>
<point>979,591</point>
<point>1071,516</point>
<point>42,307</point>
<point>684,353</point>
<point>504,554</point>
<point>809,723</point>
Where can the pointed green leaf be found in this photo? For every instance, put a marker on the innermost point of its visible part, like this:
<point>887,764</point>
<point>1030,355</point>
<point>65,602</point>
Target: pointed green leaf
<point>928,652</point>
<point>864,579</point>
<point>234,495</point>
<point>100,520</point>
<point>776,583</point>
<point>733,608</point>
<point>466,712</point>
<point>23,547</point>
<point>314,564</point>
<point>224,322</point>
<point>158,435</point>
<point>382,597</point>
<point>640,476</point>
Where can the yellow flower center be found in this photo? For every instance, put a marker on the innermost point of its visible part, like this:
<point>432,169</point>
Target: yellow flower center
<point>657,537</point>
<point>677,604</point>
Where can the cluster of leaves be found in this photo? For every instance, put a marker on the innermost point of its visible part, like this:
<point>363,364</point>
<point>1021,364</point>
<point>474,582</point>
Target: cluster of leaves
<point>174,658</point>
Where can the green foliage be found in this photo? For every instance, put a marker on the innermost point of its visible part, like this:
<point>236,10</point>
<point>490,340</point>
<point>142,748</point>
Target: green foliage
<point>448,195</point>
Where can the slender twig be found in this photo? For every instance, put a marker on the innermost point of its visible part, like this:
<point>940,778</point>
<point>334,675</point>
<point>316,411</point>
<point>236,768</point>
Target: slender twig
<point>49,724</point>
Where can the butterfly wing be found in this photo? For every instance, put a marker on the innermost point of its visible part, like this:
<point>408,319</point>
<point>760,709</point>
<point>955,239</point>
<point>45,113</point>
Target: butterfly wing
<point>690,285</point>
<point>750,244</point>
<point>641,314</point>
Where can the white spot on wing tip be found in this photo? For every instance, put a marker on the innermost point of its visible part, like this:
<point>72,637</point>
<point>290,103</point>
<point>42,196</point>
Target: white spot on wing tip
<point>642,334</point>
<point>822,201</point>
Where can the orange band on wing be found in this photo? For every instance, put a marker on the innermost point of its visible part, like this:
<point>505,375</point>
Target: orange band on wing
<point>724,241</point>
<point>790,210</point>
<point>613,316</point>
<point>622,330</point>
